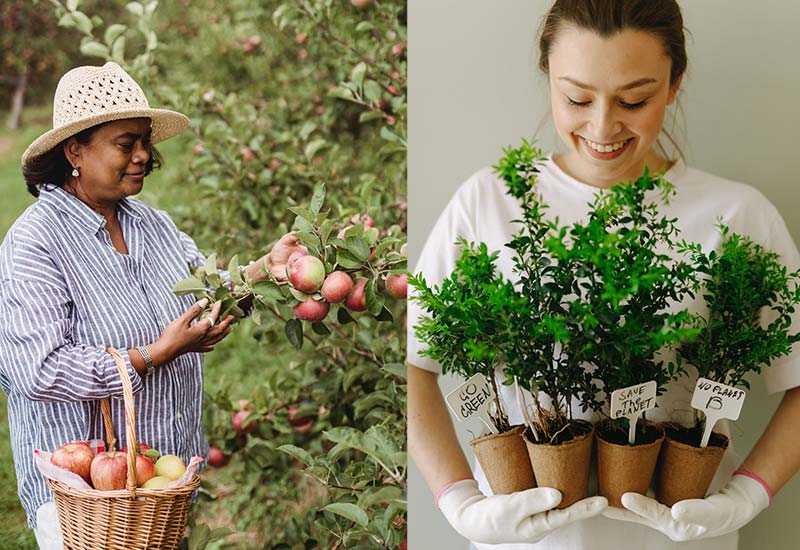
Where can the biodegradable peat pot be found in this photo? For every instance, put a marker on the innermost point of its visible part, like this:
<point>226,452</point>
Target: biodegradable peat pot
<point>564,466</point>
<point>684,469</point>
<point>505,461</point>
<point>624,468</point>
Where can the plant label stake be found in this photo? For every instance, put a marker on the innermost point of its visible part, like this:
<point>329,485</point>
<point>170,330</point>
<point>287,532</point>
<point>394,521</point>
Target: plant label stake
<point>716,401</point>
<point>631,402</point>
<point>471,400</point>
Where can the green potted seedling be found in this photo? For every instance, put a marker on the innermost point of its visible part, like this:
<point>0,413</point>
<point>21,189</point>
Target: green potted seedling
<point>462,326</point>
<point>547,337</point>
<point>750,297</point>
<point>630,285</point>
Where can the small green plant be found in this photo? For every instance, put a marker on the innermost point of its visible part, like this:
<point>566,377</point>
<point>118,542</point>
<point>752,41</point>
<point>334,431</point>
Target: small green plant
<point>547,336</point>
<point>750,296</point>
<point>465,323</point>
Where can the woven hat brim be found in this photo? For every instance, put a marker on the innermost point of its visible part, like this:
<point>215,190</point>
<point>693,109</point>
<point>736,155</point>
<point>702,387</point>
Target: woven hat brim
<point>165,124</point>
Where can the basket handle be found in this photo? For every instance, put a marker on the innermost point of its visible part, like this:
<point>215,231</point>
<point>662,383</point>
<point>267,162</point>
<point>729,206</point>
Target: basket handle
<point>130,420</point>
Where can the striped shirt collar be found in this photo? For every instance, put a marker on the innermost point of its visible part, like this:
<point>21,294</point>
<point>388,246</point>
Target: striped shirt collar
<point>73,206</point>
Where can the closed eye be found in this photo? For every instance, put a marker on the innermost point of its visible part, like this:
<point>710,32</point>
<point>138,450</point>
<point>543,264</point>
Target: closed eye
<point>633,106</point>
<point>577,103</point>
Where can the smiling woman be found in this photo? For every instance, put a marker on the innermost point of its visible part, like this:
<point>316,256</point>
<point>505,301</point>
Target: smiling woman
<point>613,68</point>
<point>88,267</point>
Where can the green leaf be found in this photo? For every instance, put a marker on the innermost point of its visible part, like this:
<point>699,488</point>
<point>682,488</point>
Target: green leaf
<point>306,130</point>
<point>296,452</point>
<point>314,147</point>
<point>66,21</point>
<point>113,32</point>
<point>320,328</point>
<point>372,91</point>
<point>344,317</point>
<point>268,289</point>
<point>188,286</point>
<point>318,199</point>
<point>366,116</point>
<point>94,49</point>
<point>385,316</point>
<point>346,260</point>
<point>349,511</point>
<point>294,332</point>
<point>388,135</point>
<point>380,495</point>
<point>199,537</point>
<point>233,271</point>
<point>82,22</point>
<point>364,26</point>
<point>342,93</point>
<point>304,213</point>
<point>72,5</point>
<point>135,8</point>
<point>211,265</point>
<point>118,50</point>
<point>359,247</point>
<point>357,74</point>
<point>397,369</point>
<point>152,40</point>
<point>375,300</point>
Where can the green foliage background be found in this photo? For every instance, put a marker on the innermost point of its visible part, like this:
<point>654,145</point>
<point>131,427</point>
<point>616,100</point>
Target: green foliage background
<point>282,96</point>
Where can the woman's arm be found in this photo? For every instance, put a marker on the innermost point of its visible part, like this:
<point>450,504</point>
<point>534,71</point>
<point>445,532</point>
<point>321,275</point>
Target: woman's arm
<point>432,439</point>
<point>776,456</point>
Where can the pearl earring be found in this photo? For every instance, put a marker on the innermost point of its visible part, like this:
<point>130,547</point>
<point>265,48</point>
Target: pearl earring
<point>75,172</point>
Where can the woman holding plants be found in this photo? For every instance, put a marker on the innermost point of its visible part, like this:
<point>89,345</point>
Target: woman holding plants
<point>613,66</point>
<point>87,267</point>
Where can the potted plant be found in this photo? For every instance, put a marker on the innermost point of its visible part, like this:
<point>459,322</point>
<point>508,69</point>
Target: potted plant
<point>630,284</point>
<point>547,337</point>
<point>462,328</point>
<point>741,284</point>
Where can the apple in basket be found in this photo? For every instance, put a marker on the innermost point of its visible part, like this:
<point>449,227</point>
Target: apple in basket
<point>76,457</point>
<point>109,471</point>
<point>170,466</point>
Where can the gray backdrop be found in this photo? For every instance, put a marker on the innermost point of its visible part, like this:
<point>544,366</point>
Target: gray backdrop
<point>474,87</point>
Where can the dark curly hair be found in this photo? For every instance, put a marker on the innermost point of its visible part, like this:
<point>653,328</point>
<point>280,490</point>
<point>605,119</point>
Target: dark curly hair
<point>52,167</point>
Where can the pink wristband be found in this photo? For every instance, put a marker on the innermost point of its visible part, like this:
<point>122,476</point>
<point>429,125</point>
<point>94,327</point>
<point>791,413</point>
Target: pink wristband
<point>763,483</point>
<point>446,487</point>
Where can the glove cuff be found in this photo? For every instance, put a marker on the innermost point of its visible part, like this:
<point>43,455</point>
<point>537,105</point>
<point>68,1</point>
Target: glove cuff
<point>445,488</point>
<point>757,478</point>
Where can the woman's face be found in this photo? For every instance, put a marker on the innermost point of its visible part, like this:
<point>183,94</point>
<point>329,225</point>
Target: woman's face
<point>113,163</point>
<point>609,97</point>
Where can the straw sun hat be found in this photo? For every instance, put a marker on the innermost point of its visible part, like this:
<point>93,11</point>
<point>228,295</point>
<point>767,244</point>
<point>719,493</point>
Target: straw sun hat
<point>87,96</point>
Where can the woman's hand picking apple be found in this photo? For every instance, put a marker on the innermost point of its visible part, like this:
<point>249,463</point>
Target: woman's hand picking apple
<point>277,259</point>
<point>185,336</point>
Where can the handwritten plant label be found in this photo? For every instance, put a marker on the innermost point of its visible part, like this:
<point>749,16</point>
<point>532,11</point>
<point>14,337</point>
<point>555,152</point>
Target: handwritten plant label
<point>472,399</point>
<point>631,402</point>
<point>716,401</point>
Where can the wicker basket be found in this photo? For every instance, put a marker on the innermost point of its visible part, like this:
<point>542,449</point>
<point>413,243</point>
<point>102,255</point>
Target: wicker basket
<point>128,519</point>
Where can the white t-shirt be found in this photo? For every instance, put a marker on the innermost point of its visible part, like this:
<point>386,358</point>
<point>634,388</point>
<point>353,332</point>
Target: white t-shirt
<point>481,211</point>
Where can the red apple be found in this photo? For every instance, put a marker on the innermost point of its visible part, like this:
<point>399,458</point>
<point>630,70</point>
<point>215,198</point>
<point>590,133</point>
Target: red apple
<point>398,49</point>
<point>312,310</point>
<point>298,253</point>
<point>217,458</point>
<point>295,420</point>
<point>237,421</point>
<point>357,299</point>
<point>364,219</point>
<point>76,457</point>
<point>247,154</point>
<point>145,470</point>
<point>109,471</point>
<point>360,3</point>
<point>305,428</point>
<point>307,273</point>
<point>397,285</point>
<point>336,287</point>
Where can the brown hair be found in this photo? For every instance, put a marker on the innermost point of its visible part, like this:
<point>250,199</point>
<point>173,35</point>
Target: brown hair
<point>52,167</point>
<point>607,17</point>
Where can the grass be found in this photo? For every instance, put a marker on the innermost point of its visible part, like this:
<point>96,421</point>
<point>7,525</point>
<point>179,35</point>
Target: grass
<point>232,365</point>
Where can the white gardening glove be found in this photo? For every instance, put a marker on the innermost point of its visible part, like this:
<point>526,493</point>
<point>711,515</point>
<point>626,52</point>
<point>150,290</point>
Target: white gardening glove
<point>526,516</point>
<point>735,505</point>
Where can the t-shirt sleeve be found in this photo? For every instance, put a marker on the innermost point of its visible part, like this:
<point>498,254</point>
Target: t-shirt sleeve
<point>784,373</point>
<point>438,259</point>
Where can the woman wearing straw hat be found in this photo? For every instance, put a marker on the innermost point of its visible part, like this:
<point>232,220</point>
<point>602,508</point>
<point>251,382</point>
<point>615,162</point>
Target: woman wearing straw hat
<point>87,267</point>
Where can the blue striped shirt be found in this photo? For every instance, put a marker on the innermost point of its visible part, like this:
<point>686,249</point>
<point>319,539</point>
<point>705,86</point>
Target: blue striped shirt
<point>65,295</point>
